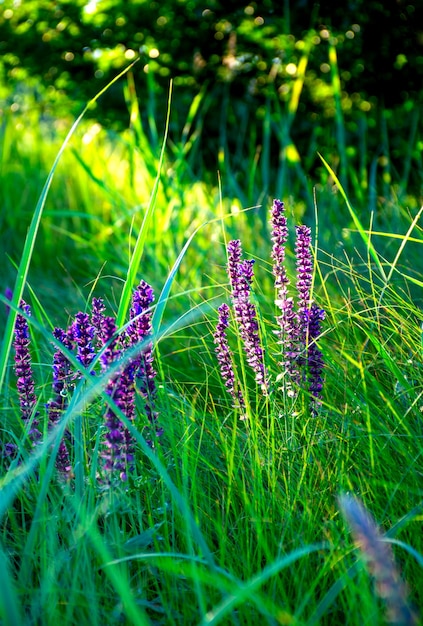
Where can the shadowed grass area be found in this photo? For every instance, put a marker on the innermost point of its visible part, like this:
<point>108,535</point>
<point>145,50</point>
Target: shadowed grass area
<point>227,521</point>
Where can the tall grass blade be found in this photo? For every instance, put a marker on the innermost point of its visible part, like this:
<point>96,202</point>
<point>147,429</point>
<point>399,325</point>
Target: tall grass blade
<point>339,118</point>
<point>9,606</point>
<point>142,235</point>
<point>164,295</point>
<point>363,233</point>
<point>240,595</point>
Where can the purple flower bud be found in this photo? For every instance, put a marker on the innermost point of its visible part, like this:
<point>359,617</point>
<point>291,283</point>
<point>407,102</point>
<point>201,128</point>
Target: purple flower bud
<point>97,319</point>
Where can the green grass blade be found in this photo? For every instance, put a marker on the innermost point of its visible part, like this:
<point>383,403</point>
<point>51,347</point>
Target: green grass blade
<point>164,295</point>
<point>142,235</point>
<point>9,606</point>
<point>240,595</point>
<point>363,233</point>
<point>339,117</point>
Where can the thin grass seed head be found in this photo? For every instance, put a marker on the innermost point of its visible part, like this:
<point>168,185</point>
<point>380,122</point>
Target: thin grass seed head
<point>378,556</point>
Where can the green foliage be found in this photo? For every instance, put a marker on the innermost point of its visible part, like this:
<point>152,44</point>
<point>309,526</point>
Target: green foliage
<point>228,522</point>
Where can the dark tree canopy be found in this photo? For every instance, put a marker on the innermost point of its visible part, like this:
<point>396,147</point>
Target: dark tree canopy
<point>69,44</point>
<point>249,60</point>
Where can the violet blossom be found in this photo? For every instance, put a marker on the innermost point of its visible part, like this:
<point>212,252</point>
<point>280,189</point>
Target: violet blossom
<point>23,370</point>
<point>288,319</point>
<point>82,332</point>
<point>224,357</point>
<point>62,375</point>
<point>139,331</point>
<point>117,455</point>
<point>240,274</point>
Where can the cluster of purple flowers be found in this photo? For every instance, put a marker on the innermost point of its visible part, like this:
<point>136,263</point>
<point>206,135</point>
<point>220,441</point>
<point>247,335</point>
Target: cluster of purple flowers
<point>299,319</point>
<point>87,336</point>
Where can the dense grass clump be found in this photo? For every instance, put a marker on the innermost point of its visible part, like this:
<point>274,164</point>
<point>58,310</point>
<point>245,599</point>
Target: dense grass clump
<point>202,458</point>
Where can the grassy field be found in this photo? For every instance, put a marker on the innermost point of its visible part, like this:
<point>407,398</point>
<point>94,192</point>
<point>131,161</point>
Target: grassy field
<point>238,515</point>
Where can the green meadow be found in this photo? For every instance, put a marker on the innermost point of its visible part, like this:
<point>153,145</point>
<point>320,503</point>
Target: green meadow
<point>226,520</point>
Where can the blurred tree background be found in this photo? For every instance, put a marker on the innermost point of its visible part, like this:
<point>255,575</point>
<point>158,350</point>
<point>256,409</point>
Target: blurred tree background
<point>254,64</point>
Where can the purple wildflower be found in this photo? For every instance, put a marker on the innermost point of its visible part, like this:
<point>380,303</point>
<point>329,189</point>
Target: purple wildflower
<point>380,561</point>
<point>234,259</point>
<point>62,376</point>
<point>139,331</point>
<point>297,353</point>
<point>97,319</point>
<point>310,317</point>
<point>279,238</point>
<point>314,356</point>
<point>288,319</point>
<point>299,326</point>
<point>116,456</point>
<point>82,332</point>
<point>224,355</point>
<point>23,370</point>
<point>109,340</point>
<point>241,276</point>
<point>9,450</point>
<point>304,271</point>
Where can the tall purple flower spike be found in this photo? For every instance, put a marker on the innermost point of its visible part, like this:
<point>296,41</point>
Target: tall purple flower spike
<point>139,331</point>
<point>304,275</point>
<point>224,357</point>
<point>310,318</point>
<point>118,454</point>
<point>62,376</point>
<point>315,361</point>
<point>23,370</point>
<point>299,327</point>
<point>241,276</point>
<point>82,332</point>
<point>288,318</point>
